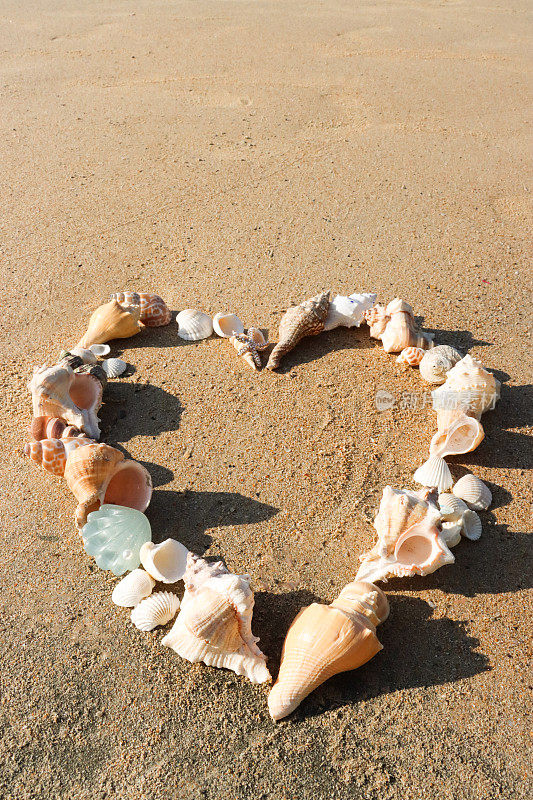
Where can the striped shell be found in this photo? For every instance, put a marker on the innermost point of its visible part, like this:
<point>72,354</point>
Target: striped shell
<point>154,310</point>
<point>434,472</point>
<point>306,319</point>
<point>53,428</point>
<point>52,454</point>
<point>158,609</point>
<point>132,589</point>
<point>113,367</point>
<point>411,355</point>
<point>452,509</point>
<point>194,325</point>
<point>472,527</point>
<point>474,492</point>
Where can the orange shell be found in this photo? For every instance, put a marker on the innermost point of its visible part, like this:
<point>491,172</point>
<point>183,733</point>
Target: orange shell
<point>111,321</point>
<point>52,453</point>
<point>154,310</point>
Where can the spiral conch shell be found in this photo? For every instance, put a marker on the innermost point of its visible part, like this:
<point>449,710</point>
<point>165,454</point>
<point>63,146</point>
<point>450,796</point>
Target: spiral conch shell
<point>325,640</point>
<point>98,473</point>
<point>249,346</point>
<point>306,319</point>
<point>401,331</point>
<point>111,321</point>
<point>437,362</point>
<point>52,454</point>
<point>154,312</point>
<point>215,619</point>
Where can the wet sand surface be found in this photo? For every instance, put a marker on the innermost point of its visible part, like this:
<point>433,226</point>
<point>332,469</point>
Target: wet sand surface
<point>243,156</point>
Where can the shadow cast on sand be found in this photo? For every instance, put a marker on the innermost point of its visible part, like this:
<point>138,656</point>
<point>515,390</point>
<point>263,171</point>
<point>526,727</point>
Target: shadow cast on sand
<point>314,348</point>
<point>137,409</point>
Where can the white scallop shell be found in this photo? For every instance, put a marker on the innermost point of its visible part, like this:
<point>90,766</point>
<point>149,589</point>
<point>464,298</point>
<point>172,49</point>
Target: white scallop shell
<point>132,589</point>
<point>113,367</point>
<point>434,472</point>
<point>166,562</point>
<point>451,533</point>
<point>156,610</point>
<point>100,350</point>
<point>194,325</point>
<point>452,508</point>
<point>472,527</point>
<point>87,356</point>
<point>474,492</point>
<point>227,325</point>
<point>437,361</point>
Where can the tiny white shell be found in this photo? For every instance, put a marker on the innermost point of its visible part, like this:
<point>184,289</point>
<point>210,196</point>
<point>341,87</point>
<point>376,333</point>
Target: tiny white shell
<point>472,527</point>
<point>87,356</point>
<point>451,533</point>
<point>452,508</point>
<point>194,325</point>
<point>100,349</point>
<point>113,367</point>
<point>156,610</point>
<point>474,492</point>
<point>437,361</point>
<point>434,472</point>
<point>132,589</point>
<point>227,325</point>
<point>166,562</point>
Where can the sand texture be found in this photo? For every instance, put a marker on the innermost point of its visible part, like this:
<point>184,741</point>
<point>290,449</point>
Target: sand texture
<point>244,156</point>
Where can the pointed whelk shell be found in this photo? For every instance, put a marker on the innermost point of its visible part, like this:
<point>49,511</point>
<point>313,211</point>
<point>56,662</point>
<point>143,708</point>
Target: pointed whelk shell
<point>437,362</point>
<point>98,474</point>
<point>194,325</point>
<point>348,312</point>
<point>60,392</point>
<point>158,609</point>
<point>132,589</point>
<point>249,346</point>
<point>474,492</point>
<point>463,435</point>
<point>111,321</point>
<point>326,640</point>
<point>227,325</point>
<point>434,473</point>
<point>52,453</point>
<point>411,356</point>
<point>166,562</point>
<point>113,367</point>
<point>306,319</point>
<point>215,621</point>
<point>154,312</point>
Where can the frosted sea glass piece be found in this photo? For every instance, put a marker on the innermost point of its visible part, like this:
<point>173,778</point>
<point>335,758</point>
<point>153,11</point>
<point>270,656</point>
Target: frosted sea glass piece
<point>114,535</point>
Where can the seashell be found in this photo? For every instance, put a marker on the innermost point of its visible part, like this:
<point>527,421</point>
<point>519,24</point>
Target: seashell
<point>248,346</point>
<point>52,428</point>
<point>401,331</point>
<point>52,453</point>
<point>348,311</point>
<point>86,355</point>
<point>194,325</point>
<point>227,325</point>
<point>154,310</point>
<point>324,640</point>
<point>98,474</point>
<point>472,527</point>
<point>469,387</point>
<point>398,511</point>
<point>306,319</point>
<point>451,508</point>
<point>111,321</point>
<point>437,362</point>
<point>156,610</point>
<point>60,392</point>
<point>377,318</point>
<point>132,589</point>
<point>474,492</point>
<point>451,533</point>
<point>114,535</point>
<point>100,350</point>
<point>113,367</point>
<point>215,621</point>
<point>434,473</point>
<point>411,355</point>
<point>462,436</point>
<point>166,562</point>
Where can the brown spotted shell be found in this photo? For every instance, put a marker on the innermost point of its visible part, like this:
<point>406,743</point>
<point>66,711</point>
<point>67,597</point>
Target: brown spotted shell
<point>306,319</point>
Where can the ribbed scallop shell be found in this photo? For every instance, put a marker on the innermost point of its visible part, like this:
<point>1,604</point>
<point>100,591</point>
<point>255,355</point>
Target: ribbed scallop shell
<point>437,362</point>
<point>194,325</point>
<point>114,535</point>
<point>158,609</point>
<point>474,492</point>
<point>113,367</point>
<point>411,356</point>
<point>452,508</point>
<point>472,527</point>
<point>132,589</point>
<point>434,473</point>
<point>154,310</point>
<point>52,454</point>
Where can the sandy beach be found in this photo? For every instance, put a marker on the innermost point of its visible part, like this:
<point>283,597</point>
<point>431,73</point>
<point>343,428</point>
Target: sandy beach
<point>243,156</point>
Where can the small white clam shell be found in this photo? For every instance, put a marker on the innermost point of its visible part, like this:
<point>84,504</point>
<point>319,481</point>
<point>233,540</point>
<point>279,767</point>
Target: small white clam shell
<point>437,361</point>
<point>113,367</point>
<point>132,589</point>
<point>158,609</point>
<point>87,356</point>
<point>452,508</point>
<point>434,472</point>
<point>472,527</point>
<point>451,533</point>
<point>166,562</point>
<point>474,492</point>
<point>194,325</point>
<point>227,325</point>
<point>100,350</point>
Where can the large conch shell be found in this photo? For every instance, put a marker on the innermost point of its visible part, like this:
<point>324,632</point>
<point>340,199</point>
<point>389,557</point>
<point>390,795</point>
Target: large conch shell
<point>98,474</point>
<point>469,387</point>
<point>306,319</point>
<point>154,310</point>
<point>52,454</point>
<point>61,392</point>
<point>348,312</point>
<point>215,621</point>
<point>326,640</point>
<point>111,321</point>
<point>249,345</point>
<point>401,331</point>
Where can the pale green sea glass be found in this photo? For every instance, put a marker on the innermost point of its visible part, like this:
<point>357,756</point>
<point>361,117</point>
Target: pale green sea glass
<point>114,535</point>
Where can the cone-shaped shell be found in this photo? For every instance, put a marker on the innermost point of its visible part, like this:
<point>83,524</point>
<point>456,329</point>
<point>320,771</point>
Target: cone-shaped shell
<point>154,312</point>
<point>326,640</point>
<point>52,454</point>
<point>98,473</point>
<point>75,397</point>
<point>214,623</point>
<point>307,319</point>
<point>111,321</point>
<point>462,436</point>
<point>166,562</point>
<point>158,609</point>
<point>132,589</point>
<point>474,492</point>
<point>249,346</point>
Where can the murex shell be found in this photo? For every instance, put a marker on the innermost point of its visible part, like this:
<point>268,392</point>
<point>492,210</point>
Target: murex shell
<point>133,588</point>
<point>166,562</point>
<point>52,454</point>
<point>474,492</point>
<point>194,325</point>
<point>306,319</point>
<point>215,621</point>
<point>348,312</point>
<point>158,609</point>
<point>437,362</point>
<point>154,312</point>
<point>111,321</point>
<point>325,640</point>
<point>114,535</point>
